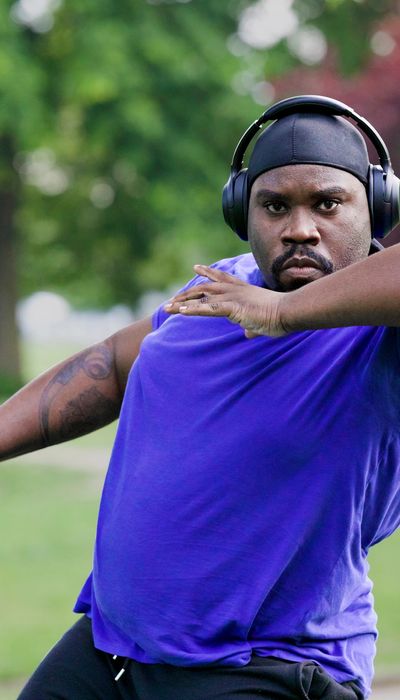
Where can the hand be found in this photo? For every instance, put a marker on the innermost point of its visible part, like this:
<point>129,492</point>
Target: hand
<point>256,309</point>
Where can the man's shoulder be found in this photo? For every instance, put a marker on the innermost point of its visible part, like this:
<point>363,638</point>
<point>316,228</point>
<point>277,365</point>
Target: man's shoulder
<point>242,266</point>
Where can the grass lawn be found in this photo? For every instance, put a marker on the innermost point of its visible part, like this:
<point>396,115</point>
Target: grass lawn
<point>47,520</point>
<point>385,572</point>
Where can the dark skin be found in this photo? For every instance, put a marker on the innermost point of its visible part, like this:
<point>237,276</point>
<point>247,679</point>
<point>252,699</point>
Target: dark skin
<point>316,219</point>
<point>75,397</point>
<point>305,210</point>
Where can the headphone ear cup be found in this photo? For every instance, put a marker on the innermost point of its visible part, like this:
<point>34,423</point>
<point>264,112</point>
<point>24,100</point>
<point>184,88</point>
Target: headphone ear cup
<point>241,204</point>
<point>227,202</point>
<point>235,203</point>
<point>383,199</point>
<point>375,182</point>
<point>392,195</point>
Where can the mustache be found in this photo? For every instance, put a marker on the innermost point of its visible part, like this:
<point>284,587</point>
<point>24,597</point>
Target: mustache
<point>299,251</point>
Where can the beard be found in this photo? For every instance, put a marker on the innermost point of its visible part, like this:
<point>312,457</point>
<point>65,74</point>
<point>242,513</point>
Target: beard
<point>326,266</point>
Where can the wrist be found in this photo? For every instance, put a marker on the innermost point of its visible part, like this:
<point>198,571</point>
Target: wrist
<point>290,312</point>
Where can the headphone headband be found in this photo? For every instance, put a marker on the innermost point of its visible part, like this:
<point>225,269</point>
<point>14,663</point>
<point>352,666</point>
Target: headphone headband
<point>310,103</point>
<point>383,185</point>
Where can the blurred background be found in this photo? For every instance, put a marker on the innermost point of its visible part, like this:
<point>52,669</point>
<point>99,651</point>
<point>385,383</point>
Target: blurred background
<point>117,126</point>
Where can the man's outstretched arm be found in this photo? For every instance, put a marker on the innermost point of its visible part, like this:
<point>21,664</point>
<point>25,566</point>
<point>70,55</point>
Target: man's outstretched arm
<point>366,293</point>
<point>73,398</point>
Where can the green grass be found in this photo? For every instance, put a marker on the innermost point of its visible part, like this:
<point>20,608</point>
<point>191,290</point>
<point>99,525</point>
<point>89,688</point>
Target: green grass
<point>385,572</point>
<point>47,520</point>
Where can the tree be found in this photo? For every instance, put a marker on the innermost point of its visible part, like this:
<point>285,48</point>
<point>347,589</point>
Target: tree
<point>22,122</point>
<point>113,135</point>
<point>137,92</point>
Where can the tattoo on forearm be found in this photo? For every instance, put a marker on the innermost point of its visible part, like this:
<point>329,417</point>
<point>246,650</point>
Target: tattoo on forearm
<point>83,414</point>
<point>88,409</point>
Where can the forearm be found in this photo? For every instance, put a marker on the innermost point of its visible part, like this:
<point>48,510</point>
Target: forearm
<point>73,398</point>
<point>366,293</point>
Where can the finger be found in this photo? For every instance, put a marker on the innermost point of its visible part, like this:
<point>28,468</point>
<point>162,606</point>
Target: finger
<point>175,305</point>
<point>200,291</point>
<point>250,334</point>
<point>194,293</point>
<point>217,275</point>
<point>210,308</point>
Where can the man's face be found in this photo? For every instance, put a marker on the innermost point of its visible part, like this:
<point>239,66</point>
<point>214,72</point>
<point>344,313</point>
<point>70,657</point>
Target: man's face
<point>306,221</point>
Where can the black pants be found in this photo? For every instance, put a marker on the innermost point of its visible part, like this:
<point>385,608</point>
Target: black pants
<point>75,670</point>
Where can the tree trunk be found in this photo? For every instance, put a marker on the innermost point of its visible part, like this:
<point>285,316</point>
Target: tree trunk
<point>10,367</point>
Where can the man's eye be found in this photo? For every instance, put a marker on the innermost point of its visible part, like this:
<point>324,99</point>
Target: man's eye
<point>328,204</point>
<point>275,207</point>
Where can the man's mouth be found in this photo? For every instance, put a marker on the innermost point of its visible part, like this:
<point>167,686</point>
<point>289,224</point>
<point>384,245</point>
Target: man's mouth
<point>301,263</point>
<point>300,269</point>
<point>297,267</point>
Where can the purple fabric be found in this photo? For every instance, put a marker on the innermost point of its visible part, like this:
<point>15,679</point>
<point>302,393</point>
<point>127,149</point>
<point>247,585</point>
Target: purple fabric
<point>247,482</point>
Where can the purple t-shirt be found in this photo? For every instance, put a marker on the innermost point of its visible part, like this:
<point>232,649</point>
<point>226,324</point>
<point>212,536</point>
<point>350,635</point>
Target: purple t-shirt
<point>247,482</point>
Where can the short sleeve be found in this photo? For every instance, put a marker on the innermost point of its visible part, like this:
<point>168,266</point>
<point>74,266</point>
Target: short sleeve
<point>160,315</point>
<point>242,266</point>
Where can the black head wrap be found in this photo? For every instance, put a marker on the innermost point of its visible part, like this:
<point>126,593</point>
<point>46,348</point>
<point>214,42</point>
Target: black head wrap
<point>310,138</point>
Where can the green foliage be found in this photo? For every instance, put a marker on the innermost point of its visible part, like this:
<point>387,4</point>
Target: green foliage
<point>24,113</point>
<point>144,122</point>
<point>8,385</point>
<point>347,25</point>
<point>122,119</point>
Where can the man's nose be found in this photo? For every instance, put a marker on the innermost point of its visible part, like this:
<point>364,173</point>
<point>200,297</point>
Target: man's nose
<point>301,228</point>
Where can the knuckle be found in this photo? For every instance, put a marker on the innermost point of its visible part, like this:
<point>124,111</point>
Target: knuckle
<point>236,312</point>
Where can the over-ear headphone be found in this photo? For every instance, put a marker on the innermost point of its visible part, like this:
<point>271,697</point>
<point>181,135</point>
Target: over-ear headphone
<point>383,186</point>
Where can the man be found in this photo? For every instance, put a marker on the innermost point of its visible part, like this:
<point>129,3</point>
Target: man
<point>257,454</point>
